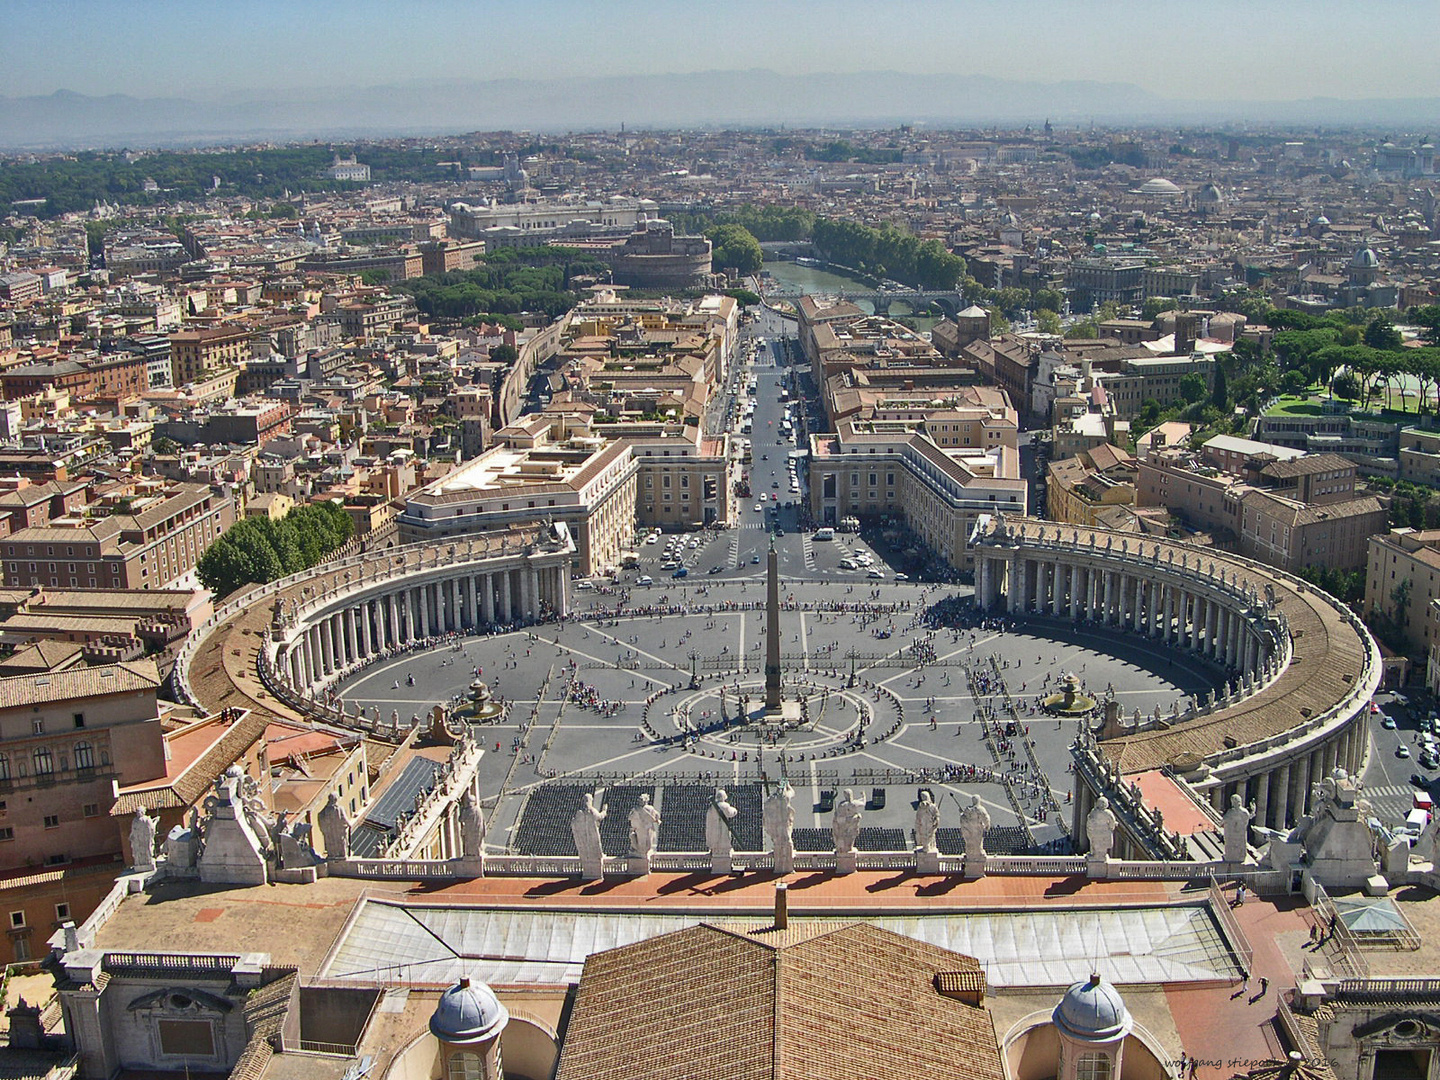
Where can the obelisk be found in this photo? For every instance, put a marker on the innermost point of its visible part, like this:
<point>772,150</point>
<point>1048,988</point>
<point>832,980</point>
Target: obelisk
<point>772,631</point>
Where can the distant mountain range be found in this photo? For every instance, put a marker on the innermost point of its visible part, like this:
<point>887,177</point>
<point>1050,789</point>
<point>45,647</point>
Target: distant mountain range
<point>67,120</point>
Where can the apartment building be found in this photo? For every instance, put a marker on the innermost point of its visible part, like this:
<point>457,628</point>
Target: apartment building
<point>67,738</point>
<point>1079,488</point>
<point>149,540</point>
<point>684,478</point>
<point>1402,582</point>
<point>195,352</point>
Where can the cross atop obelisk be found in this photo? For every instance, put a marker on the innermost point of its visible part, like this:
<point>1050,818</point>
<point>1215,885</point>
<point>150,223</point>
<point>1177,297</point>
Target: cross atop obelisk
<point>772,630</point>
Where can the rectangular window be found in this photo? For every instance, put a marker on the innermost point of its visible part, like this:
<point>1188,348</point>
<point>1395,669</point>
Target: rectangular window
<point>186,1038</point>
<point>91,809</point>
<point>62,912</point>
<point>17,920</point>
<point>79,719</point>
<point>52,821</point>
<point>6,833</point>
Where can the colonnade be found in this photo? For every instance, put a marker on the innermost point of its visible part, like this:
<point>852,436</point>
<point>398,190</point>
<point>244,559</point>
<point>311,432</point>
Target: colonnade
<point>1220,611</point>
<point>1184,613</point>
<point>466,602</point>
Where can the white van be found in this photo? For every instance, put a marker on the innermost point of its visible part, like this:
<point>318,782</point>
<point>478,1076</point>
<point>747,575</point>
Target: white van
<point>1415,822</point>
<point>826,533</point>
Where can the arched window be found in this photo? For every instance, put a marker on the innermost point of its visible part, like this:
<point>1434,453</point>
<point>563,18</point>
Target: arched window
<point>4,766</point>
<point>464,1065</point>
<point>1092,1067</point>
<point>84,756</point>
<point>44,764</point>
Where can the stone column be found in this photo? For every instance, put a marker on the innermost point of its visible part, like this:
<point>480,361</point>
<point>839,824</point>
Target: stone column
<point>472,613</point>
<point>1262,798</point>
<point>507,610</point>
<point>1074,572</point>
<point>1109,596</point>
<point>1300,786</point>
<point>1012,597</point>
<point>1280,796</point>
<point>487,597</point>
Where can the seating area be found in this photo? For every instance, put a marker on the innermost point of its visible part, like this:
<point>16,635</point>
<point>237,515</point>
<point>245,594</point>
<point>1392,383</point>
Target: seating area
<point>999,840</point>
<point>544,826</point>
<point>870,839</point>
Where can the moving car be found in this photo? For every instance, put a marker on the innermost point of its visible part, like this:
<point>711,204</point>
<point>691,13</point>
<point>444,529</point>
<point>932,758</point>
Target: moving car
<point>1402,750</point>
<point>714,569</point>
<point>644,579</point>
<point>682,572</point>
<point>1388,723</point>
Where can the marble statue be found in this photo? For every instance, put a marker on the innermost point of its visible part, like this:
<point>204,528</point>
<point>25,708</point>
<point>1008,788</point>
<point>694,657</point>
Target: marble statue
<point>1100,827</point>
<point>585,829</point>
<point>644,825</point>
<point>293,846</point>
<point>845,823</point>
<point>1237,829</point>
<point>472,827</point>
<point>142,841</point>
<point>779,821</point>
<point>974,821</point>
<point>719,830</point>
<point>334,828</point>
<point>927,823</point>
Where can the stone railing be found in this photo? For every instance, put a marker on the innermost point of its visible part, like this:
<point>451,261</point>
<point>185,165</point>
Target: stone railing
<point>396,869</point>
<point>1389,987</point>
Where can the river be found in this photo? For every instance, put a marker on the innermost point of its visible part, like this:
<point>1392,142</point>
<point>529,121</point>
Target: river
<point>811,279</point>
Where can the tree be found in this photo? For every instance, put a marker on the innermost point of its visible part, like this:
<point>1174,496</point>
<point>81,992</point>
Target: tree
<point>1346,386</point>
<point>1380,334</point>
<point>735,246</point>
<point>1220,393</point>
<point>1192,388</point>
<point>1048,321</point>
<point>504,354</point>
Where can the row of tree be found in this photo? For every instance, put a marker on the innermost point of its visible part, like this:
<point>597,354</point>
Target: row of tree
<point>76,182</point>
<point>506,282</point>
<point>256,550</point>
<point>888,252</point>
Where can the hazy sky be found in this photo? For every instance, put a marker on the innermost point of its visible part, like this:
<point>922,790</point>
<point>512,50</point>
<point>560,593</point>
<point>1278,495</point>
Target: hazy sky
<point>1215,50</point>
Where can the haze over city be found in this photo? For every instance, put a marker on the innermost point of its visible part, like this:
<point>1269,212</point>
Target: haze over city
<point>364,66</point>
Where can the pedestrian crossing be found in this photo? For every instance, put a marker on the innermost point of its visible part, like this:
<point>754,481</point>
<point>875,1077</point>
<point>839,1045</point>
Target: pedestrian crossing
<point>1388,791</point>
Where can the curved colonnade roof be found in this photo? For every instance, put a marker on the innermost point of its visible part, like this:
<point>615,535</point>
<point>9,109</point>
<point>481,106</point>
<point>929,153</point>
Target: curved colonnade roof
<point>1328,659</point>
<point>223,671</point>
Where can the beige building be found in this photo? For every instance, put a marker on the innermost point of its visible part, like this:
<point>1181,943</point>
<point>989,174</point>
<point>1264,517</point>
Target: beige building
<point>1402,579</point>
<point>1078,488</point>
<point>543,468</point>
<point>872,469</point>
<point>66,739</point>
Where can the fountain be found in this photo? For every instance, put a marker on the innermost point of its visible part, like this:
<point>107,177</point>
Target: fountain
<point>481,708</point>
<point>1069,701</point>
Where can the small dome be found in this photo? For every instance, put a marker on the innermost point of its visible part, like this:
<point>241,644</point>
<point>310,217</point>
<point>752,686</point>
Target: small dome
<point>468,1013</point>
<point>1365,258</point>
<point>1092,1011</point>
<point>1320,219</point>
<point>1209,193</point>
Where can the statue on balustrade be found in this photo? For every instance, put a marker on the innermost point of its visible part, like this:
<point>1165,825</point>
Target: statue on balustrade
<point>1100,827</point>
<point>1237,829</point>
<point>927,823</point>
<point>845,823</point>
<point>472,827</point>
<point>585,828</point>
<point>779,822</point>
<point>719,825</point>
<point>974,823</point>
<point>142,841</point>
<point>644,827</point>
<point>335,828</point>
